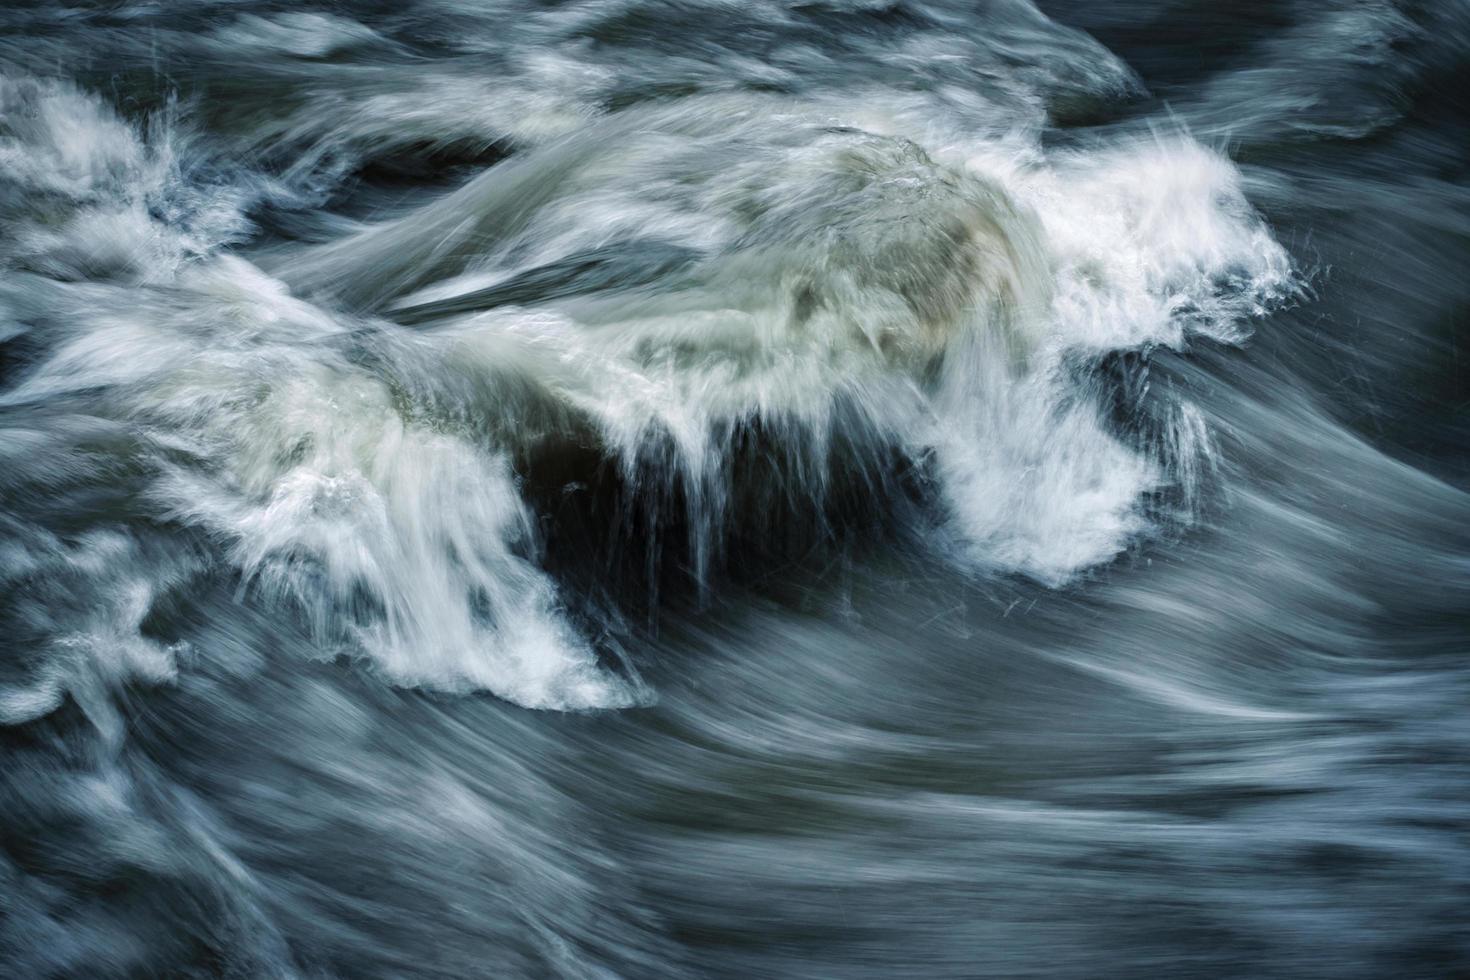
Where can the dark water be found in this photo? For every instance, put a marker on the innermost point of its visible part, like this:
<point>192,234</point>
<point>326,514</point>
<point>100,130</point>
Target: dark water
<point>826,490</point>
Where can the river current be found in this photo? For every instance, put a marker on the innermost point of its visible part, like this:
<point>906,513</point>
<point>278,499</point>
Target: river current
<point>631,488</point>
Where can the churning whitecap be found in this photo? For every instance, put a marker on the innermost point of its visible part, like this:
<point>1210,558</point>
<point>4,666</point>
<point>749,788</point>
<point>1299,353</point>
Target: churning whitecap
<point>655,280</point>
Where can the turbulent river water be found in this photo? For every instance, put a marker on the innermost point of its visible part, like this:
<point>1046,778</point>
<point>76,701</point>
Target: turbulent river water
<point>838,489</point>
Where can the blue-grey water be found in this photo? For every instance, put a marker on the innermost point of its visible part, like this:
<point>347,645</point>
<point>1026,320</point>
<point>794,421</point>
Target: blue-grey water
<point>635,488</point>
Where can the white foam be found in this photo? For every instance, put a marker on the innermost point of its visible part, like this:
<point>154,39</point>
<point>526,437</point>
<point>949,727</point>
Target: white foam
<point>836,251</point>
<point>403,543</point>
<point>1121,246</point>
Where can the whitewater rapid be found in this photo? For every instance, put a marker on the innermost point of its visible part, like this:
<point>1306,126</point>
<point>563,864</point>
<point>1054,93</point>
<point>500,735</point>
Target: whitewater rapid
<point>341,419</point>
<point>701,489</point>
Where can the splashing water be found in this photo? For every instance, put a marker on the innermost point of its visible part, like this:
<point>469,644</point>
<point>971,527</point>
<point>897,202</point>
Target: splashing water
<point>893,438</point>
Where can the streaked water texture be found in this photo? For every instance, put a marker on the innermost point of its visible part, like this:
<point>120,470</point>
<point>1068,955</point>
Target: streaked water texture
<point>703,489</point>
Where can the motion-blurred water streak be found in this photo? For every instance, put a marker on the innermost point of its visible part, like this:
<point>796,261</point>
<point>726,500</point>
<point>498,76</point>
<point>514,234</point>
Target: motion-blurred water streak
<point>646,488</point>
